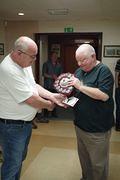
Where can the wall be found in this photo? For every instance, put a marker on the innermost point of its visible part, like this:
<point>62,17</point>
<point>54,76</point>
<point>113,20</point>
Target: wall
<point>2,37</point>
<point>15,29</point>
<point>43,55</point>
<point>11,30</point>
<point>110,29</point>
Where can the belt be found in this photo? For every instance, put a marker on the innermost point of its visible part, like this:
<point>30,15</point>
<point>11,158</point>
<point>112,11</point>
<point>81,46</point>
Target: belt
<point>9,121</point>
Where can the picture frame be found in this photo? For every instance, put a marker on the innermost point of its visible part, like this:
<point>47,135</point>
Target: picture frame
<point>1,48</point>
<point>112,51</point>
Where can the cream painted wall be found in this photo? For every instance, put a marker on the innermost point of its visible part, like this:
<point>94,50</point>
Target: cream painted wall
<point>110,29</point>
<point>11,30</point>
<point>43,55</point>
<point>15,29</point>
<point>2,37</point>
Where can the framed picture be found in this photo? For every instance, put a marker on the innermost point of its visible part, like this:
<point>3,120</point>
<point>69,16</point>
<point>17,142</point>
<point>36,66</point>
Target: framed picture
<point>112,51</point>
<point>1,49</point>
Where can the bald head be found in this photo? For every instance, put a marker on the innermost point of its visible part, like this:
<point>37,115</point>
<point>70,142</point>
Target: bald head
<point>85,49</point>
<point>24,43</point>
<point>24,52</point>
<point>86,57</point>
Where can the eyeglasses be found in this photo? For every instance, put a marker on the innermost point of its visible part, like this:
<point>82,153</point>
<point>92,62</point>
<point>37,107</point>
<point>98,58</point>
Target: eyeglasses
<point>31,56</point>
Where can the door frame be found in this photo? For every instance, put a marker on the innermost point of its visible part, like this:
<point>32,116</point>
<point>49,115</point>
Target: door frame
<point>97,36</point>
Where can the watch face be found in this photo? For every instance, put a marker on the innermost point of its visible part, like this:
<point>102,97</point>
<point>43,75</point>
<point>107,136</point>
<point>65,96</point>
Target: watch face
<point>61,83</point>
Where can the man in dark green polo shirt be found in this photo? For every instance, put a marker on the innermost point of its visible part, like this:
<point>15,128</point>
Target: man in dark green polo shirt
<point>93,83</point>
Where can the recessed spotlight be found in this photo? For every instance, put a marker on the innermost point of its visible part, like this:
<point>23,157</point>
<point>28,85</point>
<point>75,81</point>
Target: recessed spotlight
<point>21,14</point>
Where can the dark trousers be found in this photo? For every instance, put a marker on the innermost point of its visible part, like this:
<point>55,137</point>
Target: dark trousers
<point>50,113</point>
<point>117,100</point>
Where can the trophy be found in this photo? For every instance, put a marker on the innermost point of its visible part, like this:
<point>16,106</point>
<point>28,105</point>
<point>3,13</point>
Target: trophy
<point>61,86</point>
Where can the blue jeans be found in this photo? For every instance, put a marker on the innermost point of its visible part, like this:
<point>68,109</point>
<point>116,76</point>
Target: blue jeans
<point>14,140</point>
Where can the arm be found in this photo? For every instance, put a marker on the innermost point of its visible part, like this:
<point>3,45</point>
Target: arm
<point>54,97</point>
<point>39,103</point>
<point>94,93</point>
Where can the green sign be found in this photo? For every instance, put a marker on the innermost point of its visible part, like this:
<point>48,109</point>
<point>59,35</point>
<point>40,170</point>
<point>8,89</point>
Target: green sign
<point>68,29</point>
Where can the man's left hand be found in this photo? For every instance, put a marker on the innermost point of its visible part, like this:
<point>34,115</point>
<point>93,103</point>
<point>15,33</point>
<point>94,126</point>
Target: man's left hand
<point>58,99</point>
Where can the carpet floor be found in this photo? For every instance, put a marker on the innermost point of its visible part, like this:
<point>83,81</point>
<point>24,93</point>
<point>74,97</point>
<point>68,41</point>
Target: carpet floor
<point>53,154</point>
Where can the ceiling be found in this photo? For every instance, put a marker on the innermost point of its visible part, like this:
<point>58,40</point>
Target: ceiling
<point>77,9</point>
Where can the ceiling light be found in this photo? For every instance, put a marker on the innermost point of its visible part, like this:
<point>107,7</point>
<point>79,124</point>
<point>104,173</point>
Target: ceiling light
<point>58,11</point>
<point>21,14</point>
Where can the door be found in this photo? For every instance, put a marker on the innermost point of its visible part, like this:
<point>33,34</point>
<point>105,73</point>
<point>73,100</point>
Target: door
<point>70,64</point>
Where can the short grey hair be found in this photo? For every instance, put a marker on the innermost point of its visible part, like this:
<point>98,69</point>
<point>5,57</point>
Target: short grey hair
<point>86,49</point>
<point>23,43</point>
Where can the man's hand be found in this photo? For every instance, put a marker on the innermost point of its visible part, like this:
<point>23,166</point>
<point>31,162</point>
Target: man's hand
<point>58,99</point>
<point>75,82</point>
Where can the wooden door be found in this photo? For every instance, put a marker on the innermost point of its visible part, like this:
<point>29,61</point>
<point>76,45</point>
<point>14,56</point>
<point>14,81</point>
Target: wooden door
<point>70,64</point>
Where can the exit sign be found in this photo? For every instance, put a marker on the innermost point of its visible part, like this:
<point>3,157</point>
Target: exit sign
<point>68,29</point>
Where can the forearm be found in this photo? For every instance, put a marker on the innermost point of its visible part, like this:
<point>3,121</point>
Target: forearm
<point>38,102</point>
<point>53,97</point>
<point>94,93</point>
<point>44,92</point>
